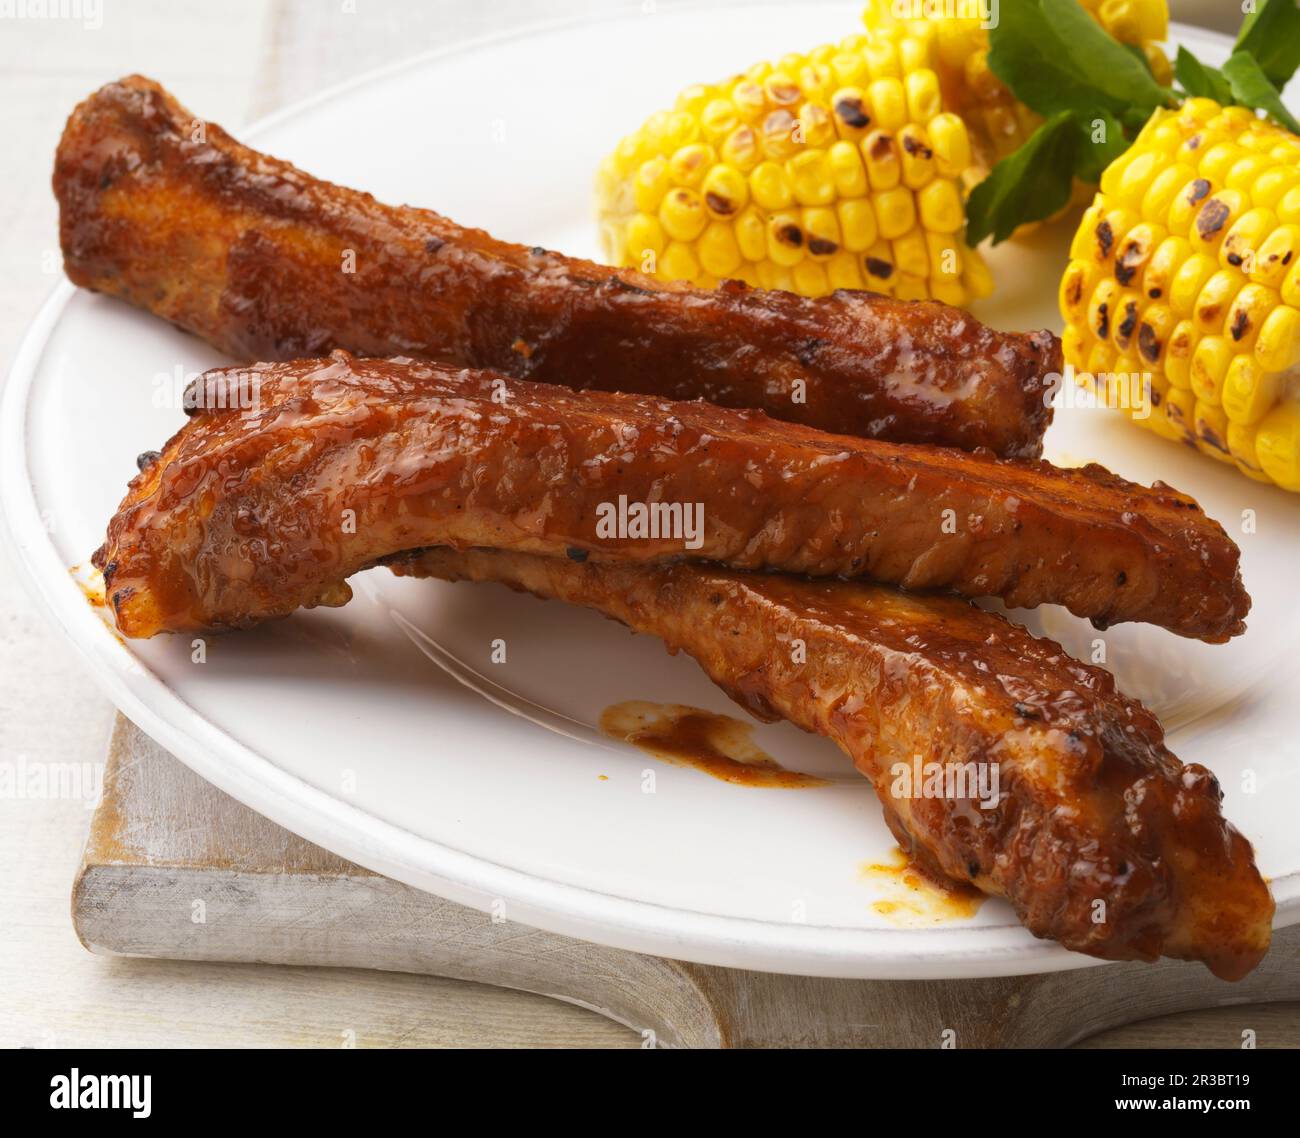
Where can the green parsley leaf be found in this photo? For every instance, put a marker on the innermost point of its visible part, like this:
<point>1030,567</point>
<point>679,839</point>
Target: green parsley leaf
<point>1092,52</point>
<point>1200,80</point>
<point>1029,185</point>
<point>1101,141</point>
<point>1271,34</point>
<point>1251,88</point>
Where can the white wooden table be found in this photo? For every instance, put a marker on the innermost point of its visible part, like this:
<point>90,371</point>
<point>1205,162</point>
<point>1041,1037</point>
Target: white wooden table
<point>236,59</point>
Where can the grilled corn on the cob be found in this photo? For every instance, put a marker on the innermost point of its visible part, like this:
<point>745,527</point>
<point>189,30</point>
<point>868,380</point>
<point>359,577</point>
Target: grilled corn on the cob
<point>1187,267</point>
<point>835,169</point>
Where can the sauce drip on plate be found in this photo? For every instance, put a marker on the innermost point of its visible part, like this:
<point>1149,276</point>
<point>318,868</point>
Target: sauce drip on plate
<point>716,744</point>
<point>915,897</point>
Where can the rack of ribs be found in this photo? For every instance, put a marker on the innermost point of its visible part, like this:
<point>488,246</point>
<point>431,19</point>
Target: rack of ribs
<point>269,263</point>
<point>253,511</point>
<point>1099,837</point>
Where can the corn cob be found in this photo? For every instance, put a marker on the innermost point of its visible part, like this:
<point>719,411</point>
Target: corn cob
<point>998,123</point>
<point>1186,268</point>
<point>835,169</point>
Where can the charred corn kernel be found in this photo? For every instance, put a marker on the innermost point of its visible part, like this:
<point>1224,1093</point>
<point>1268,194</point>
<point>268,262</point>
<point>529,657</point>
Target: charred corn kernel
<point>917,156</point>
<point>1212,431</point>
<point>895,211</point>
<point>726,192</point>
<point>1240,247</point>
<point>821,232</point>
<point>1211,264</point>
<point>785,239</point>
<point>846,170</point>
<point>1251,307</point>
<point>858,149</point>
<point>1277,347</point>
<point>1217,295</point>
<point>1277,444</point>
<point>881,154</point>
<point>1217,215</point>
<point>857,224</point>
<point>1276,252</point>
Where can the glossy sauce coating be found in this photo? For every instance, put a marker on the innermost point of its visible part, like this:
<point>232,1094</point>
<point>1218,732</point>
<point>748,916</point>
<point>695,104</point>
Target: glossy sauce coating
<point>1092,807</point>
<point>252,513</point>
<point>268,263</point>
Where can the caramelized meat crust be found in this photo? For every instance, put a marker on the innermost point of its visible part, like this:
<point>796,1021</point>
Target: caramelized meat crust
<point>268,263</point>
<point>252,511</point>
<point>1094,817</point>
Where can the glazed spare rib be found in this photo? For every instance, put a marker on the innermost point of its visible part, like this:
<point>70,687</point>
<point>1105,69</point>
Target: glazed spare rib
<point>290,477</point>
<point>1100,838</point>
<point>269,263</point>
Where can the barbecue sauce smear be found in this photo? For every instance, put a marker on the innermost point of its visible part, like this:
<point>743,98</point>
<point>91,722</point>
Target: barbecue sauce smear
<point>716,744</point>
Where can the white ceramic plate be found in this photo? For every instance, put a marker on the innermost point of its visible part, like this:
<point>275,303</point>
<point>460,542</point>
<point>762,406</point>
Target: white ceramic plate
<point>367,729</point>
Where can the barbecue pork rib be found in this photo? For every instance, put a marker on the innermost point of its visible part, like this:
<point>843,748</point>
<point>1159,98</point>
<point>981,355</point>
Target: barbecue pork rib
<point>268,263</point>
<point>1092,807</point>
<point>252,511</point>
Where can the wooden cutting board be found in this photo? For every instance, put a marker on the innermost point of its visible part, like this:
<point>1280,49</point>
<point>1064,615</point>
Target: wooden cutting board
<point>174,868</point>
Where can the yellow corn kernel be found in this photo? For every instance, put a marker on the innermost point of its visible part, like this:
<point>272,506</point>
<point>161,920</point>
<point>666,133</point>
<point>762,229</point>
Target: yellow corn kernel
<point>975,275</point>
<point>1164,262</point>
<point>1242,174</point>
<point>1134,250</point>
<point>740,149</point>
<point>817,125</point>
<point>644,234</point>
<point>1217,160</point>
<point>1277,443</point>
<point>774,276</point>
<point>1180,413</point>
<point>1101,360</point>
<point>1241,444</point>
<point>882,59</point>
<point>678,263</point>
<point>948,291</point>
<point>1247,314</point>
<point>923,98</point>
<point>683,215</point>
<point>843,272</point>
<point>810,178</point>
<point>857,224</point>
<point>1084,245</point>
<point>718,119</point>
<point>689,165</point>
<point>1217,295</point>
<point>1291,284</point>
<point>1077,283</point>
<point>1124,322</point>
<point>1137,176</point>
<point>888,103</point>
<point>810,279</point>
<point>770,186</point>
<point>1164,188</point>
<point>1210,367</point>
<point>718,250</point>
<point>1277,347</point>
<point>1212,431</point>
<point>1179,347</point>
<point>751,235</point>
<point>945,257</point>
<point>951,144</point>
<point>1075,345</point>
<point>1248,390</point>
<point>846,169</point>
<point>1275,253</point>
<point>1189,280</point>
<point>652,182</point>
<point>1288,207</point>
<point>895,211</point>
<point>1272,185</point>
<point>911,254</point>
<point>911,288</point>
<point>940,206</point>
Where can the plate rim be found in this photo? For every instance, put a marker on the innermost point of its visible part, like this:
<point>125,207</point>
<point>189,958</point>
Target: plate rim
<point>955,951</point>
